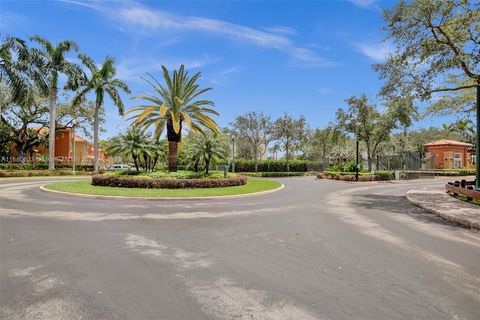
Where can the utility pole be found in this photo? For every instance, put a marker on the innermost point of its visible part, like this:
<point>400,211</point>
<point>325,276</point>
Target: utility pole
<point>233,154</point>
<point>477,147</point>
<point>74,124</point>
<point>356,167</point>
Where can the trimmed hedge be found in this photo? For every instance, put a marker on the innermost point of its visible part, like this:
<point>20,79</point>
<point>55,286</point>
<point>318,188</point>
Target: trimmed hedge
<point>243,165</point>
<point>142,182</point>
<point>40,166</point>
<point>273,174</point>
<point>37,173</point>
<point>362,177</point>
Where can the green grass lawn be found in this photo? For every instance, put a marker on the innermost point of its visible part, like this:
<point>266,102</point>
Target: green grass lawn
<point>85,187</point>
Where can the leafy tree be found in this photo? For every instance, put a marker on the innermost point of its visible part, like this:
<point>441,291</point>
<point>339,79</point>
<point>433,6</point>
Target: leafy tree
<point>173,105</point>
<point>437,44</point>
<point>17,121</point>
<point>51,62</point>
<point>367,124</point>
<point>464,128</point>
<point>323,142</point>
<point>255,129</point>
<point>102,82</point>
<point>210,148</point>
<point>289,134</point>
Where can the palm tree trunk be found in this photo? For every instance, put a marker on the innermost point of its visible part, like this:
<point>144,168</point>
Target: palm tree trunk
<point>207,164</point>
<point>95,138</point>
<point>51,131</point>
<point>135,161</point>
<point>172,156</point>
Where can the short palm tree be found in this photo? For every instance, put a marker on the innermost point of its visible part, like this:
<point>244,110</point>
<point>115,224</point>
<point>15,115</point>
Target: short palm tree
<point>102,81</point>
<point>51,62</point>
<point>132,144</point>
<point>210,148</point>
<point>172,105</point>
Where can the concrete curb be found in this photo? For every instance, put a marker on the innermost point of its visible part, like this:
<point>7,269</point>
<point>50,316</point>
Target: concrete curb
<point>92,196</point>
<point>444,214</point>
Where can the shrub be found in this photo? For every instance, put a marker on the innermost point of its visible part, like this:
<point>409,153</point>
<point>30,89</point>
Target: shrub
<point>243,165</point>
<point>273,174</point>
<point>148,182</point>
<point>36,173</point>
<point>43,166</point>
<point>181,174</point>
<point>362,176</point>
<point>384,175</point>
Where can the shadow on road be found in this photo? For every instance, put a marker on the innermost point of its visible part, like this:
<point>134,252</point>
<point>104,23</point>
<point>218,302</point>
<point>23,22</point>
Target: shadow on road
<point>393,204</point>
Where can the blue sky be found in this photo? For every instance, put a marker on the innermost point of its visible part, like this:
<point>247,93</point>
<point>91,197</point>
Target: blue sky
<point>275,56</point>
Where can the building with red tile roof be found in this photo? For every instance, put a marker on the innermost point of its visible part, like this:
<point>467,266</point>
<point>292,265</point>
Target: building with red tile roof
<point>451,154</point>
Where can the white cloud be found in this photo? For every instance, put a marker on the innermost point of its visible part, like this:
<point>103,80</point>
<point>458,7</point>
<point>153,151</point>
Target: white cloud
<point>376,51</point>
<point>142,19</point>
<point>363,3</point>
<point>282,30</point>
<point>224,75</point>
<point>325,90</point>
<point>134,69</point>
<point>9,20</point>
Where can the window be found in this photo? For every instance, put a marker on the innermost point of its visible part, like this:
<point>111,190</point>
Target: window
<point>458,163</point>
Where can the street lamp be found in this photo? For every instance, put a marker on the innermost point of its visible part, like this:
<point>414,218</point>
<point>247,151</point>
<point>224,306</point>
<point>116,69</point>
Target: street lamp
<point>74,124</point>
<point>477,149</point>
<point>233,154</point>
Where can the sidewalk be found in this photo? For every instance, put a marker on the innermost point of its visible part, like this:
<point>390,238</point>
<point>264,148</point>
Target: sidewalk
<point>447,207</point>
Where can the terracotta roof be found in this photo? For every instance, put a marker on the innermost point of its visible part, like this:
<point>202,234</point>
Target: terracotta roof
<point>79,139</point>
<point>445,142</point>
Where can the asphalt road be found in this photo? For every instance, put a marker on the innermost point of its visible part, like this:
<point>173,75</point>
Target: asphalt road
<point>314,250</point>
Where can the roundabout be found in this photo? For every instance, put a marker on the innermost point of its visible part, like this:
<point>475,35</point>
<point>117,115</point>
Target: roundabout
<point>84,188</point>
<point>312,250</point>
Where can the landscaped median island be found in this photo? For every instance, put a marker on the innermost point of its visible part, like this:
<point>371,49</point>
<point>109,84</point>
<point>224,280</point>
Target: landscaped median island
<point>161,184</point>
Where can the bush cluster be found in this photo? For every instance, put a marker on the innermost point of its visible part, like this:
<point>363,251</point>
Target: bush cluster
<point>273,174</point>
<point>348,176</point>
<point>181,174</point>
<point>455,172</point>
<point>148,182</point>
<point>243,165</point>
<point>43,166</point>
<point>36,173</point>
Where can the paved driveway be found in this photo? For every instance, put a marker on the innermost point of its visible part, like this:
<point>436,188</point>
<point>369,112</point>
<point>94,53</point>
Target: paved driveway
<point>314,250</point>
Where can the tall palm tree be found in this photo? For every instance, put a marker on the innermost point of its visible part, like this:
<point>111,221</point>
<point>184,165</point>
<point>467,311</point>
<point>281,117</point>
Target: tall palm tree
<point>102,81</point>
<point>14,58</point>
<point>52,62</point>
<point>173,104</point>
<point>209,147</point>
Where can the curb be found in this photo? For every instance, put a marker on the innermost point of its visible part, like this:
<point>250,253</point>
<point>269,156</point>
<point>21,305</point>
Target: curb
<point>103,197</point>
<point>442,214</point>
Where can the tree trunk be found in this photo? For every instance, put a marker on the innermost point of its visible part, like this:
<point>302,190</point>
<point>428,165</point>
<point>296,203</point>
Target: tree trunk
<point>195,166</point>
<point>207,164</point>
<point>95,138</point>
<point>154,163</point>
<point>172,156</point>
<point>173,139</point>
<point>51,131</point>
<point>145,161</point>
<point>135,161</point>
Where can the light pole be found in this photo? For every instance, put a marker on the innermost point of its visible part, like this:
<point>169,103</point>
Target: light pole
<point>74,124</point>
<point>477,149</point>
<point>356,162</point>
<point>233,154</point>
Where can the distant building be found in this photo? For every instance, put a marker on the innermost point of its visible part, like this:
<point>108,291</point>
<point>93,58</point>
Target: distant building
<point>64,150</point>
<point>451,154</point>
